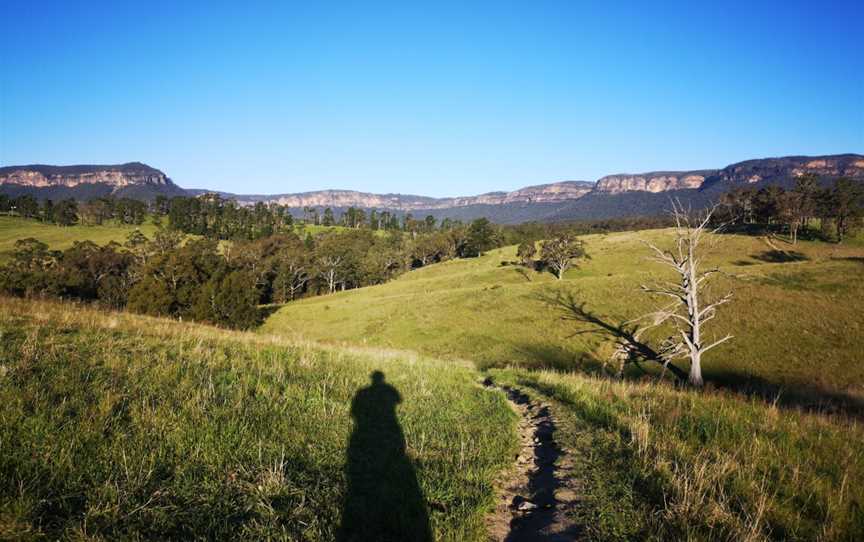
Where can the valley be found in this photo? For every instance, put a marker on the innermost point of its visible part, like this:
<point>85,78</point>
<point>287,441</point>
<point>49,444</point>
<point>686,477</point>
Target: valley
<point>259,432</point>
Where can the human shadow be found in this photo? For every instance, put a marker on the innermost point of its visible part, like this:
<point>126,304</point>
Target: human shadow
<point>384,501</point>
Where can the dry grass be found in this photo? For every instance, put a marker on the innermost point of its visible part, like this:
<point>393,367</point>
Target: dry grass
<point>116,426</point>
<point>707,465</point>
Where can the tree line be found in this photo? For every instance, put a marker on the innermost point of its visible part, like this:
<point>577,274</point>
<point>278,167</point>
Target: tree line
<point>173,275</point>
<point>68,212</point>
<point>838,209</point>
<point>212,216</point>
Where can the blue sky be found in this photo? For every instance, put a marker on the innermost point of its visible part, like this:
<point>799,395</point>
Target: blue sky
<point>435,98</point>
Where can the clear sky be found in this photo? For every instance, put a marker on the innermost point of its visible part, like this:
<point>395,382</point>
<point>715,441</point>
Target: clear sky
<point>435,98</point>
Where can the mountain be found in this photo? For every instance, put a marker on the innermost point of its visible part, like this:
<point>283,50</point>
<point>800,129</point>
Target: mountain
<point>544,193</point>
<point>133,180</point>
<point>623,194</point>
<point>619,195</point>
<point>649,193</point>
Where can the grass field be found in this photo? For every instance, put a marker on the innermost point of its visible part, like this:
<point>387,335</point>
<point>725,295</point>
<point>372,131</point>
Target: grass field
<point>59,238</point>
<point>116,426</point>
<point>658,463</point>
<point>797,324</point>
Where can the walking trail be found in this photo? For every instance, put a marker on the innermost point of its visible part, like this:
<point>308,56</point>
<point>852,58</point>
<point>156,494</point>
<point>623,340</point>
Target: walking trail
<point>539,495</point>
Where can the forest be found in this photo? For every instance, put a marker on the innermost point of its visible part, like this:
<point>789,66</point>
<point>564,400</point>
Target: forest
<point>218,262</point>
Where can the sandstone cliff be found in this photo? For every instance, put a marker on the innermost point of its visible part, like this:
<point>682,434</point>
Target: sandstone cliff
<point>791,167</point>
<point>546,193</point>
<point>613,195</point>
<point>653,182</point>
<point>134,178</point>
<point>774,170</point>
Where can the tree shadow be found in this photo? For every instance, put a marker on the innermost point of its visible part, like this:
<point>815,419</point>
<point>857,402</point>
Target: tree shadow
<point>624,334</point>
<point>264,311</point>
<point>780,256</point>
<point>556,358</point>
<point>384,501</point>
<point>799,396</point>
<point>522,271</point>
<point>857,259</point>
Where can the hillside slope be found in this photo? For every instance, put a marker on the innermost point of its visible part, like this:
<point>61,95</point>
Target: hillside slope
<point>797,324</point>
<point>56,237</point>
<point>122,427</point>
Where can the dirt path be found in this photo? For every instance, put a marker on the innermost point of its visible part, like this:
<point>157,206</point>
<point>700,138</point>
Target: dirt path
<point>540,489</point>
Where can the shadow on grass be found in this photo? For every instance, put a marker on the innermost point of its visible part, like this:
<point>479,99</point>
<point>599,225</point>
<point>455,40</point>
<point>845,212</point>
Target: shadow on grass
<point>524,273</point>
<point>798,396</point>
<point>550,356</point>
<point>626,335</point>
<point>384,501</point>
<point>803,396</point>
<point>856,259</point>
<point>780,256</point>
<point>264,311</point>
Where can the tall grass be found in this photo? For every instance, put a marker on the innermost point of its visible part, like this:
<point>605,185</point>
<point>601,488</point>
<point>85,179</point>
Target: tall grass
<point>672,464</point>
<point>118,426</point>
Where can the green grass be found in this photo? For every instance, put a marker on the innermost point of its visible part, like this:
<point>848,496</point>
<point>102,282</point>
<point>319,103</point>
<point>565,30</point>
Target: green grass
<point>121,426</point>
<point>315,229</point>
<point>665,464</point>
<point>797,325</point>
<point>117,426</point>
<point>58,238</point>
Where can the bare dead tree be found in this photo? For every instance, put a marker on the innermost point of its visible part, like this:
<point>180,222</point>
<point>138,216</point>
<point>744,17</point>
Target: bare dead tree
<point>688,310</point>
<point>330,266</point>
<point>630,347</point>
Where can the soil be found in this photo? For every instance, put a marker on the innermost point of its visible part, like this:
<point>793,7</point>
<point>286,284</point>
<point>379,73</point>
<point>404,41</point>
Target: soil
<point>539,495</point>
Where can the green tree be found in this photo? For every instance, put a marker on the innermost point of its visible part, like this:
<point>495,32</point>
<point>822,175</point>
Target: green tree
<point>560,253</point>
<point>66,212</point>
<point>26,206</point>
<point>480,237</point>
<point>151,296</point>
<point>229,301</point>
<point>846,201</point>
<point>47,211</point>
<point>526,251</point>
<point>328,217</point>
<point>29,271</point>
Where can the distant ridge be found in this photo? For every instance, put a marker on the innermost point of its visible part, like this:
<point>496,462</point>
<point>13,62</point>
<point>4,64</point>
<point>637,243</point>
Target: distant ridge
<point>133,179</point>
<point>611,196</point>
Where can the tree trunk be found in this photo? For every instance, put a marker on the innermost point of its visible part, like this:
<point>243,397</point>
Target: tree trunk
<point>695,378</point>
<point>691,285</point>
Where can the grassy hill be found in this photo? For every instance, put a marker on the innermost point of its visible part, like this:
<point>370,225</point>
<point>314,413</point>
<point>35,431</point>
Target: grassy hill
<point>653,461</point>
<point>58,238</point>
<point>796,316</point>
<point>117,426</point>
